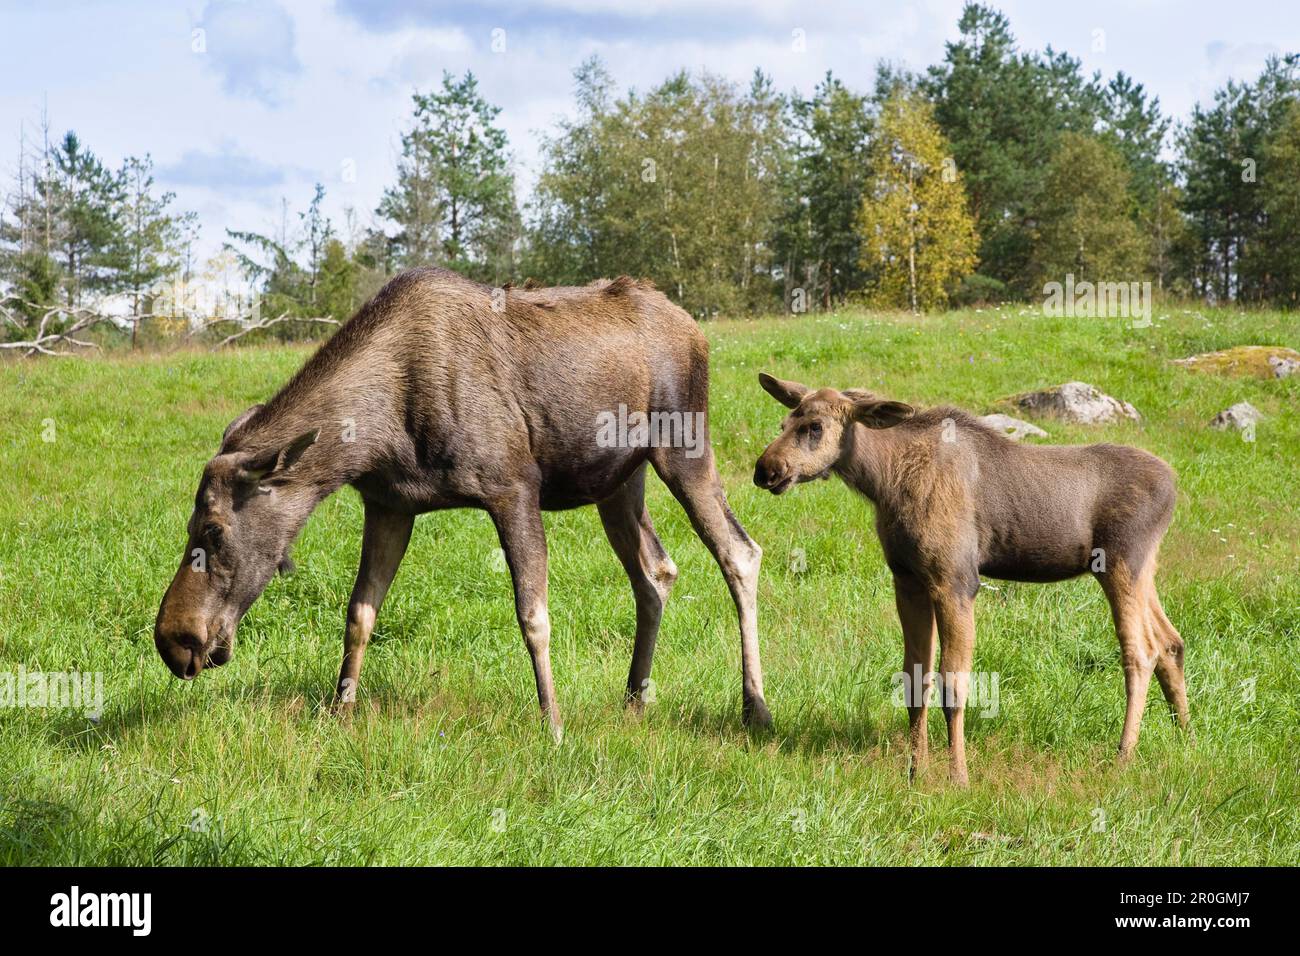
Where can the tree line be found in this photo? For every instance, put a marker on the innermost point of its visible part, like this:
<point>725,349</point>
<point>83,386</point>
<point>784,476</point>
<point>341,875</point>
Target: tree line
<point>979,179</point>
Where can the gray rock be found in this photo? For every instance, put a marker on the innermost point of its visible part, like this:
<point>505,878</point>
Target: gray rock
<point>1077,402</point>
<point>1013,428</point>
<point>1283,366</point>
<point>1239,416</point>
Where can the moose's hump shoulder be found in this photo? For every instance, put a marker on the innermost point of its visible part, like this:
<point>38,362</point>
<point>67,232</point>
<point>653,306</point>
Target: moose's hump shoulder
<point>1136,468</point>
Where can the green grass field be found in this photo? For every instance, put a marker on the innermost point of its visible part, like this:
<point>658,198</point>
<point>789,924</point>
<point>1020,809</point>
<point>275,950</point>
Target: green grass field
<point>446,760</point>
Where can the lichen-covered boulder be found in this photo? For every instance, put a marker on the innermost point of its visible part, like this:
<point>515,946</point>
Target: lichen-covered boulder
<point>1255,361</point>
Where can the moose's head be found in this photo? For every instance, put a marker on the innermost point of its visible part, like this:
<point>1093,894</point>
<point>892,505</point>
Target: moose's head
<point>248,510</point>
<point>815,434</point>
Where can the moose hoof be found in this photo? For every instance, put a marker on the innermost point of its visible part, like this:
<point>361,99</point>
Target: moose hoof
<point>755,715</point>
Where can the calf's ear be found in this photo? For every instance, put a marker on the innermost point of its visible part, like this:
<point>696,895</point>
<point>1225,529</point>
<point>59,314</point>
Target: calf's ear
<point>881,413</point>
<point>789,394</point>
<point>276,461</point>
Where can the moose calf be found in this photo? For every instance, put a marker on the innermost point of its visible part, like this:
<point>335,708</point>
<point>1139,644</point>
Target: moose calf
<point>955,500</point>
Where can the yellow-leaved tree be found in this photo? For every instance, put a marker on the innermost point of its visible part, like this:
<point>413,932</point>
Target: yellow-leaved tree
<point>918,236</point>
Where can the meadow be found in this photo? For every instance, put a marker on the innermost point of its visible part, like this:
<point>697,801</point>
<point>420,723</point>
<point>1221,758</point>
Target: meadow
<point>445,760</point>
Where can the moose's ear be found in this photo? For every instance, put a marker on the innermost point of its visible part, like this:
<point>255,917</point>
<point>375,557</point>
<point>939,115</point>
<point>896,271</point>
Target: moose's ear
<point>237,424</point>
<point>276,461</point>
<point>789,394</point>
<point>881,413</point>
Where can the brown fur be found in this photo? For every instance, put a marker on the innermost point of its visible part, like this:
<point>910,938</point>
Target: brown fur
<point>441,393</point>
<point>956,500</point>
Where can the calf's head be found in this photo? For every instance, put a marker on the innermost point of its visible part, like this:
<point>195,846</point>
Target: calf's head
<point>246,514</point>
<point>815,435</point>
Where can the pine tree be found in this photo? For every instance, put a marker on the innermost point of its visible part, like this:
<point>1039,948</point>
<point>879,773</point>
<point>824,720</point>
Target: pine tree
<point>1002,110</point>
<point>337,281</point>
<point>1134,124</point>
<point>273,265</point>
<point>454,201</point>
<point>90,243</point>
<point>151,237</point>
<point>28,267</point>
<point>1221,148</point>
<point>1274,260</point>
<point>317,232</point>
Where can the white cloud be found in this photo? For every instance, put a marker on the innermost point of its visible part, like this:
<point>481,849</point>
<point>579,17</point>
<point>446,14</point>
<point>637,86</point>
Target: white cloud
<point>250,44</point>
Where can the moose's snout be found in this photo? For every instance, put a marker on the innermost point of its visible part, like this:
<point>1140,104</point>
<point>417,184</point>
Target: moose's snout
<point>186,653</point>
<point>183,654</point>
<point>179,634</point>
<point>771,477</point>
<point>187,640</point>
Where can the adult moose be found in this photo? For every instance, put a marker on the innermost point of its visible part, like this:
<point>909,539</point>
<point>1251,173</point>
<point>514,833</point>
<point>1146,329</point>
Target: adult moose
<point>955,500</point>
<point>443,393</point>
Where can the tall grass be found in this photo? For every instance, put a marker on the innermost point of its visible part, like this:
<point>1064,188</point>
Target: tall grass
<point>446,760</point>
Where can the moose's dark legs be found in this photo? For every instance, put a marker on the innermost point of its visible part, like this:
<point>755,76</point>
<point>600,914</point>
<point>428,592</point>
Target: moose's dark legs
<point>649,569</point>
<point>1169,664</point>
<point>695,483</point>
<point>518,519</point>
<point>954,613</point>
<point>383,544</point>
<point>916,614</point>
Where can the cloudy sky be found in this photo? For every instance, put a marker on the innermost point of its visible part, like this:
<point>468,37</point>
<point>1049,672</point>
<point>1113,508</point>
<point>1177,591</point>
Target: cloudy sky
<point>242,102</point>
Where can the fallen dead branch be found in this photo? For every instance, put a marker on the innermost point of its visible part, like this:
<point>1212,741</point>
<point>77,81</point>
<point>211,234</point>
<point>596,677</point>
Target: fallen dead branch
<point>58,328</point>
<point>45,341</point>
<point>267,323</point>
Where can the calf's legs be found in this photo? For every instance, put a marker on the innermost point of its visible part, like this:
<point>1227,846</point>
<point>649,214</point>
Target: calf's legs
<point>916,614</point>
<point>1169,663</point>
<point>649,569</point>
<point>695,483</point>
<point>955,616</point>
<point>1149,644</point>
<point>1140,647</point>
<point>383,544</point>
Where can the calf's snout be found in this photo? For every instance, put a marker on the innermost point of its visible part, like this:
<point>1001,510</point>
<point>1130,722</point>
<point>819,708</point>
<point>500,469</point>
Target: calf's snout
<point>772,475</point>
<point>768,475</point>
